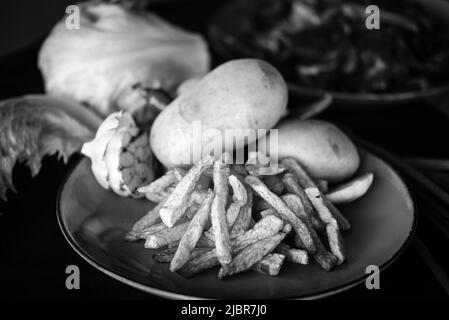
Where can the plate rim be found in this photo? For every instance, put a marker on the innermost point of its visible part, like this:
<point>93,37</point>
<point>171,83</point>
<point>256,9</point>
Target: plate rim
<point>173,295</point>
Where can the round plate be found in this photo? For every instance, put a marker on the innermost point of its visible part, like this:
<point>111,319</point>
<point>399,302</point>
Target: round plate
<point>95,221</point>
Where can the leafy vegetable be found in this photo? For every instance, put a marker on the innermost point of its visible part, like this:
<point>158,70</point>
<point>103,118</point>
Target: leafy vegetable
<point>35,126</point>
<point>115,50</point>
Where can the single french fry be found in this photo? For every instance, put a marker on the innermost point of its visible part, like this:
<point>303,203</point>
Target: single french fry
<point>151,218</point>
<point>249,256</point>
<point>166,255</point>
<point>176,203</point>
<point>332,229</point>
<point>281,208</point>
<point>258,164</point>
<point>293,255</point>
<point>270,265</point>
<point>336,243</point>
<point>239,199</point>
<point>196,199</point>
<point>162,187</point>
<point>218,213</point>
<point>243,220</point>
<point>259,170</point>
<point>192,234</point>
<point>293,187</point>
<point>192,210</point>
<point>155,197</point>
<point>143,234</point>
<point>239,191</point>
<point>264,228</point>
<point>287,226</point>
<point>160,184</point>
<point>179,174</point>
<point>166,236</point>
<point>325,259</point>
<point>266,212</point>
<point>306,182</point>
<point>352,190</point>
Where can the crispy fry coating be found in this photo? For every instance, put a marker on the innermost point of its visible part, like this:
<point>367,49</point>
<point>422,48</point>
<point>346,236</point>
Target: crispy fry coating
<point>281,208</point>
<point>218,213</point>
<point>177,202</point>
<point>249,256</point>
<point>324,258</point>
<point>293,187</point>
<point>166,236</point>
<point>293,255</point>
<point>266,227</point>
<point>192,234</point>
<point>270,265</point>
<point>306,182</point>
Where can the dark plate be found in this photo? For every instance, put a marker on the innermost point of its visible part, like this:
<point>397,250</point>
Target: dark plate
<point>224,26</point>
<point>94,222</point>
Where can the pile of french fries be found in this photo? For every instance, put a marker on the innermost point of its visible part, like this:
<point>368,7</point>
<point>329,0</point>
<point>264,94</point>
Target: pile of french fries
<point>242,217</point>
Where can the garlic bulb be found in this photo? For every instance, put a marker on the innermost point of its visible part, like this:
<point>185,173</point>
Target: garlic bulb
<point>121,155</point>
<point>115,50</point>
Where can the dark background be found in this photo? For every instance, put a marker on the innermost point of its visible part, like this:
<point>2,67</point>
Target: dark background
<point>34,254</point>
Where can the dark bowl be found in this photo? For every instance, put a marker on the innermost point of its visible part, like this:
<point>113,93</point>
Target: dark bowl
<point>223,24</point>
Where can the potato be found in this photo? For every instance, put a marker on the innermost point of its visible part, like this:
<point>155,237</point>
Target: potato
<point>320,147</point>
<point>351,190</point>
<point>239,95</point>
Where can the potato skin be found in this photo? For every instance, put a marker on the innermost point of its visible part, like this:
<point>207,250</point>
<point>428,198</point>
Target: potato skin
<point>240,94</point>
<point>323,149</point>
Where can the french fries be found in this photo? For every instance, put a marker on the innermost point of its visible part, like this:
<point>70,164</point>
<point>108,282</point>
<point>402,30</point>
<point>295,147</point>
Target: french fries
<point>266,227</point>
<point>351,190</point>
<point>192,234</point>
<point>300,228</point>
<point>147,220</point>
<point>239,199</point>
<point>270,265</point>
<point>166,236</point>
<point>293,187</point>
<point>153,216</point>
<point>332,229</point>
<point>243,220</point>
<point>306,182</point>
<point>157,191</point>
<point>196,228</point>
<point>167,255</point>
<point>249,256</point>
<point>293,255</point>
<point>325,259</point>
<point>176,203</point>
<point>218,213</point>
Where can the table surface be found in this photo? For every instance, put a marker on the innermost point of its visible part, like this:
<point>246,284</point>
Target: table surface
<point>34,253</point>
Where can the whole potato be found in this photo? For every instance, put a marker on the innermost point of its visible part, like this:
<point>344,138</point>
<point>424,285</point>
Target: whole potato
<point>236,96</point>
<point>320,147</point>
